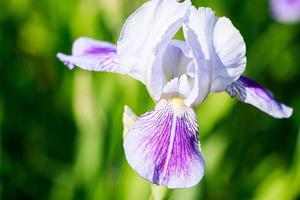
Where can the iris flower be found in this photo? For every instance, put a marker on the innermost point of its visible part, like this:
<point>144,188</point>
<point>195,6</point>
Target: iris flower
<point>286,11</point>
<point>162,145</point>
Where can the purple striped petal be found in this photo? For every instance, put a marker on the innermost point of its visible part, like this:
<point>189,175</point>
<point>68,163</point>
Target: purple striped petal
<point>163,146</point>
<point>92,55</point>
<point>248,91</point>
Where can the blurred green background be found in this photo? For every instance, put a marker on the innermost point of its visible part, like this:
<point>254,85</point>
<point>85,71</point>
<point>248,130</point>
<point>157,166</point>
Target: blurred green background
<point>61,130</point>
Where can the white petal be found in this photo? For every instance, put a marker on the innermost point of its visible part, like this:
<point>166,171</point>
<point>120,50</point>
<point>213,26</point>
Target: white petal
<point>145,37</point>
<point>198,34</point>
<point>171,86</point>
<point>230,60</point>
<point>129,118</point>
<point>175,59</point>
<point>184,85</point>
<point>93,55</point>
<point>179,70</point>
<point>218,50</point>
<point>178,87</point>
<point>191,71</point>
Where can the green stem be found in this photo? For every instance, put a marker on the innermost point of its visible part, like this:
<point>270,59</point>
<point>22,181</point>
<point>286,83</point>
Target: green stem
<point>159,192</point>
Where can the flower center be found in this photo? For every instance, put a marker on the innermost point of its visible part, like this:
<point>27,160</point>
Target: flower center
<point>177,105</point>
<point>177,101</point>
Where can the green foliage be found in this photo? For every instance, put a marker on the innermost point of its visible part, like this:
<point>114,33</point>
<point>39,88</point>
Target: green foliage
<point>61,130</point>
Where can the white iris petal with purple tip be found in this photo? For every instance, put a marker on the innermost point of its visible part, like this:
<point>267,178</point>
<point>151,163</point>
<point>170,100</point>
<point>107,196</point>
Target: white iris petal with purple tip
<point>248,91</point>
<point>162,145</point>
<point>92,55</point>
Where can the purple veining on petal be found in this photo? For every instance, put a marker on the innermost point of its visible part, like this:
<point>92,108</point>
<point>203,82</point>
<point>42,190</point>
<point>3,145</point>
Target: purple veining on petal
<point>163,147</point>
<point>248,91</point>
<point>92,55</point>
<point>258,89</point>
<point>100,50</point>
<point>185,146</point>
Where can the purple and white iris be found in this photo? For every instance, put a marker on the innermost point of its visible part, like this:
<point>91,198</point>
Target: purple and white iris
<point>286,11</point>
<point>162,145</point>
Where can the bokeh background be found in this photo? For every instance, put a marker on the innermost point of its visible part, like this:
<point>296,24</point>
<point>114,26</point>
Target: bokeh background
<point>61,130</point>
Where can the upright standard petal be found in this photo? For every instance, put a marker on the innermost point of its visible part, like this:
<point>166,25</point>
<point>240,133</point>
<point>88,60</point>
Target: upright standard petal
<point>92,55</point>
<point>230,54</point>
<point>163,146</point>
<point>178,70</point>
<point>176,59</point>
<point>145,37</point>
<point>198,34</point>
<point>248,91</point>
<point>218,47</point>
<point>286,11</point>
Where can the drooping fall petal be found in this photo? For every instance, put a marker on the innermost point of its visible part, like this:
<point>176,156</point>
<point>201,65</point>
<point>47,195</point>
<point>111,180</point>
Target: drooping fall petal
<point>92,55</point>
<point>163,146</point>
<point>248,91</point>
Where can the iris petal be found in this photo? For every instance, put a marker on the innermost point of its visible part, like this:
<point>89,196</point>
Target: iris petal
<point>129,118</point>
<point>144,39</point>
<point>163,146</point>
<point>218,49</point>
<point>92,55</point>
<point>230,58</point>
<point>248,91</point>
<point>176,59</point>
<point>198,34</point>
